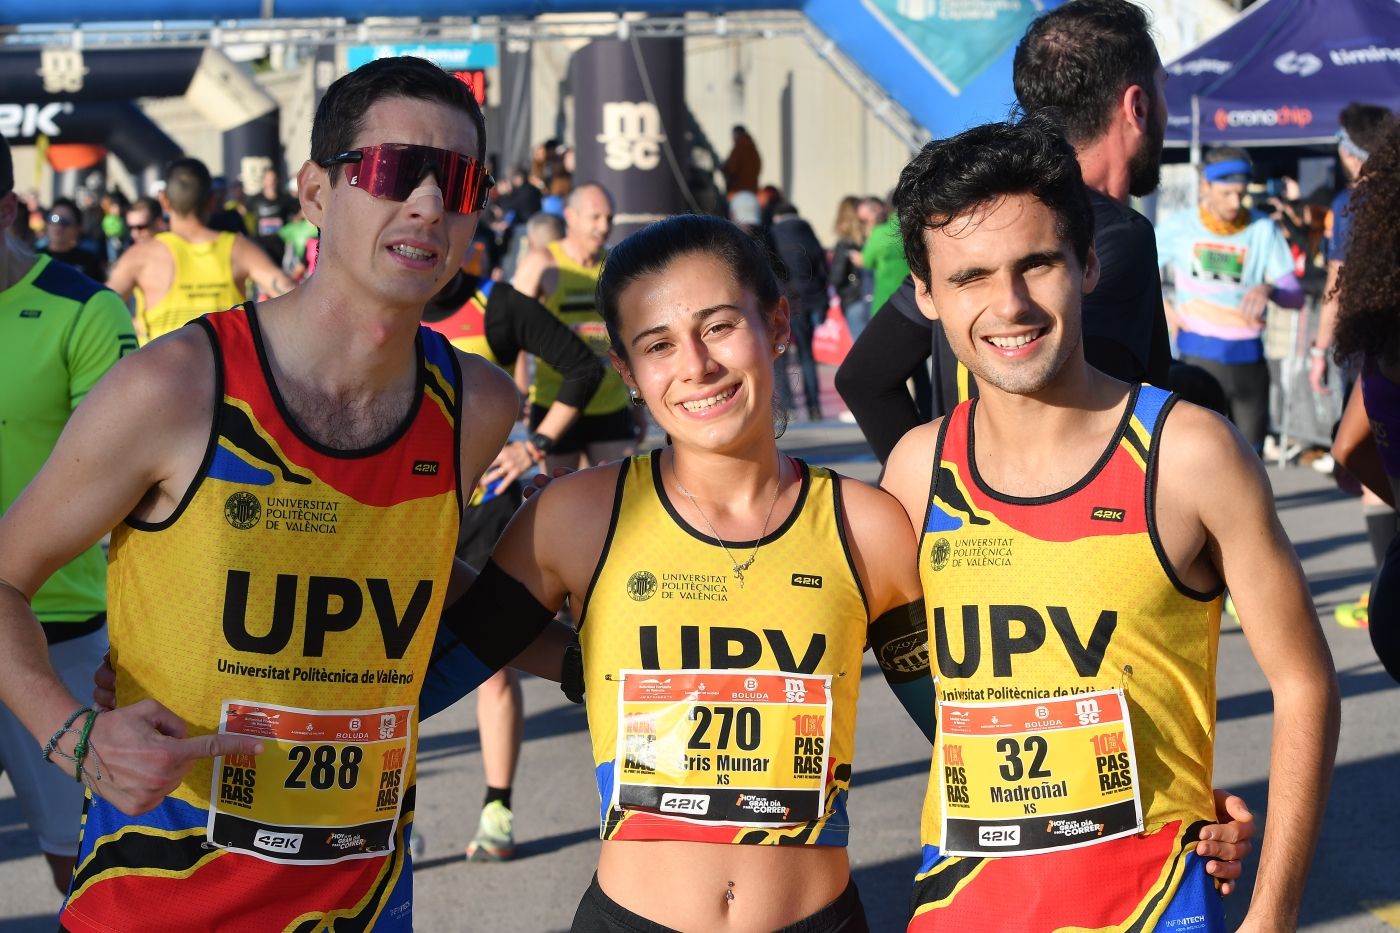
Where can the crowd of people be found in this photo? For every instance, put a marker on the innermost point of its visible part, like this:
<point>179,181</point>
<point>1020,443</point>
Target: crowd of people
<point>1045,603</point>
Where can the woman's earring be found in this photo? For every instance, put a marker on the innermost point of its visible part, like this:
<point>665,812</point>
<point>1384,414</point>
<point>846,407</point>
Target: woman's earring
<point>781,348</point>
<point>637,399</point>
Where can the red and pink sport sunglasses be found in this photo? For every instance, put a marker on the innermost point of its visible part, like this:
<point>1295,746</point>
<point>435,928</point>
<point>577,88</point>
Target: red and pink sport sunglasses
<point>393,170</point>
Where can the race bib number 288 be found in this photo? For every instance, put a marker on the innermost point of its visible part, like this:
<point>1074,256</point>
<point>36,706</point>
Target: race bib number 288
<point>327,787</point>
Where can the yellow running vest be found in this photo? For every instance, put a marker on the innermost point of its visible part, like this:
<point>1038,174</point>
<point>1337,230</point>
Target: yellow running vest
<point>1076,683</point>
<point>294,595</point>
<point>572,301</point>
<point>721,713</point>
<point>203,283</point>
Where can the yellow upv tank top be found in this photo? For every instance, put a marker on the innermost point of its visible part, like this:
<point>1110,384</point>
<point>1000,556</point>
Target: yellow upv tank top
<point>572,301</point>
<point>1076,684</point>
<point>203,283</point>
<point>293,596</point>
<point>722,713</point>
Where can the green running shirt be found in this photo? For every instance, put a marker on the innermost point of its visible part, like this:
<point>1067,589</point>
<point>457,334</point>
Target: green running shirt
<point>59,332</point>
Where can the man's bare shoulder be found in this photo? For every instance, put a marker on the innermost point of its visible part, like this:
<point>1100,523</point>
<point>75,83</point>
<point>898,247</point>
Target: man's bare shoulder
<point>585,497</point>
<point>1198,442</point>
<point>1204,465</point>
<point>530,273</point>
<point>168,368</point>
<point>488,390</point>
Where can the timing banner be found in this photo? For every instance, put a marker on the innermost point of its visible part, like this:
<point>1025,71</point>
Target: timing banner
<point>327,787</point>
<point>737,748</point>
<point>1019,778</point>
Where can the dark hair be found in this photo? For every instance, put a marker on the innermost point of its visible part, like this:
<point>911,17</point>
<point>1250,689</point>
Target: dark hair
<point>950,177</point>
<point>1080,58</point>
<point>150,205</point>
<point>1368,285</point>
<point>657,245</point>
<point>341,114</point>
<point>7,167</point>
<point>1364,123</point>
<point>188,186</point>
<point>70,204</point>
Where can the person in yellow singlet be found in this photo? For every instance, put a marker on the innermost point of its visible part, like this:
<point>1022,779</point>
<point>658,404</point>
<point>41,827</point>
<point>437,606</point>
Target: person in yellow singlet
<point>1073,561</point>
<point>724,594</point>
<point>562,277</point>
<point>190,270</point>
<point>283,483</point>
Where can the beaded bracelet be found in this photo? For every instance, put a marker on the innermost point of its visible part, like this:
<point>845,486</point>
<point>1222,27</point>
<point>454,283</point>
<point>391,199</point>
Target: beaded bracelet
<point>52,745</point>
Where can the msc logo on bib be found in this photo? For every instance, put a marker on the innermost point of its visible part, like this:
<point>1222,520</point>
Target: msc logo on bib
<point>242,510</point>
<point>641,586</point>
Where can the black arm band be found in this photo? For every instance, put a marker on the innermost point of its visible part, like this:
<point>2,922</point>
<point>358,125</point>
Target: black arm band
<point>571,675</point>
<point>899,641</point>
<point>497,618</point>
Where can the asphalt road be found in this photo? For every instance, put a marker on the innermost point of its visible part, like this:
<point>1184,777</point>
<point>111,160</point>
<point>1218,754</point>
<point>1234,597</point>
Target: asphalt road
<point>1354,886</point>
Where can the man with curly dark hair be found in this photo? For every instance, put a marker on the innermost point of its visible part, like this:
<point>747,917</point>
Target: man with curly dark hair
<point>1368,333</point>
<point>1073,564</point>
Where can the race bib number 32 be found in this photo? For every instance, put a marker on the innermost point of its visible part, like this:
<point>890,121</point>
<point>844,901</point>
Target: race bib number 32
<point>1020,778</point>
<point>738,748</point>
<point>327,787</point>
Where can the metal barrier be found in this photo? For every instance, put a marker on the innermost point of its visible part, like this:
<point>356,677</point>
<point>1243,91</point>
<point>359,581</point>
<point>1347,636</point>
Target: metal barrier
<point>1302,417</point>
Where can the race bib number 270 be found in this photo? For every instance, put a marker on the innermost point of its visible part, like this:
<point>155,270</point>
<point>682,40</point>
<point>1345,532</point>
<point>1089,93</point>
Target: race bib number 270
<point>738,748</point>
<point>328,785</point>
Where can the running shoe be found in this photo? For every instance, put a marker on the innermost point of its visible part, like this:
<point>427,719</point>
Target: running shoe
<point>1354,615</point>
<point>495,835</point>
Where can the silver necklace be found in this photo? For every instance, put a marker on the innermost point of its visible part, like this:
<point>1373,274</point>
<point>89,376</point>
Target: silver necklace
<point>739,568</point>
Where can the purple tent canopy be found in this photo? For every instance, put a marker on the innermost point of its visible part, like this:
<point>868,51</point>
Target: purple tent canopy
<point>1282,72</point>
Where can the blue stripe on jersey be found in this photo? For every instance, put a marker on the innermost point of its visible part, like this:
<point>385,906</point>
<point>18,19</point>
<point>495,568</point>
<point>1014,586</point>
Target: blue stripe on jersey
<point>59,278</point>
<point>436,350</point>
<point>837,829</point>
<point>1197,907</point>
<point>1150,402</point>
<point>605,776</point>
<point>939,520</point>
<point>232,468</point>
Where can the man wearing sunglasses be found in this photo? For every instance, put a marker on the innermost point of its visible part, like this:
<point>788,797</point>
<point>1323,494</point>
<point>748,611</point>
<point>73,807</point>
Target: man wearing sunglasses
<point>190,269</point>
<point>144,219</point>
<point>62,239</point>
<point>286,480</point>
